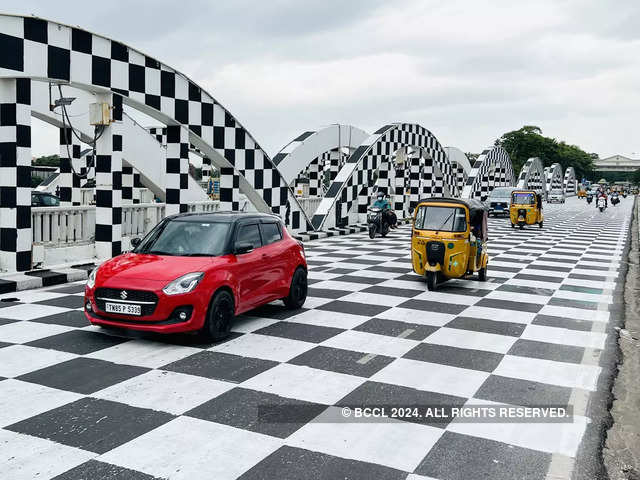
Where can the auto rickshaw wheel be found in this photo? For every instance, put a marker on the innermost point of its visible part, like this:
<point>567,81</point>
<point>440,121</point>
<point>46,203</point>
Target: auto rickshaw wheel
<point>540,224</point>
<point>482,274</point>
<point>513,225</point>
<point>521,226</point>
<point>432,281</point>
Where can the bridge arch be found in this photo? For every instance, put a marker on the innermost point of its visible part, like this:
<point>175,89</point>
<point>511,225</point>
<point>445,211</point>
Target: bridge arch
<point>356,179</point>
<point>35,49</point>
<point>554,178</point>
<point>532,176</point>
<point>569,183</point>
<point>492,169</point>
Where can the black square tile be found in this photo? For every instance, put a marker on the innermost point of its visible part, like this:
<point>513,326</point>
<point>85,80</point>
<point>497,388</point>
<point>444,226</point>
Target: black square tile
<point>78,341</point>
<point>92,424</point>
<point>547,351</point>
<point>326,293</point>
<point>462,457</point>
<point>394,328</point>
<point>394,292</point>
<point>455,357</point>
<point>299,331</point>
<point>78,288</point>
<point>341,271</point>
<point>74,318</point>
<point>514,391</point>
<point>221,366</point>
<point>289,463</point>
<point>565,302</point>
<point>382,268</point>
<point>487,326</point>
<point>94,469</point>
<point>258,412</point>
<point>357,279</point>
<point>547,292</point>
<point>376,394</point>
<point>7,303</point>
<point>539,278</point>
<point>82,375</point>
<point>563,322</point>
<point>5,344</point>
<point>342,361</point>
<point>353,308</point>
<point>275,311</point>
<point>511,305</point>
<point>548,268</point>
<point>429,306</point>
<point>7,321</point>
<point>68,301</point>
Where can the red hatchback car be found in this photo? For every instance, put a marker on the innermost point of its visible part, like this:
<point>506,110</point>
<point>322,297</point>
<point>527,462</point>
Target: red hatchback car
<point>195,272</point>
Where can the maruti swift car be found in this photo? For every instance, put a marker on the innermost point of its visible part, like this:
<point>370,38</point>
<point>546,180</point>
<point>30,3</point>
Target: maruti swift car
<point>196,271</point>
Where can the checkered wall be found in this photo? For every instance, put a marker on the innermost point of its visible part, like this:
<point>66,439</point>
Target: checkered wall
<point>15,174</point>
<point>569,183</point>
<point>357,175</point>
<point>127,184</point>
<point>492,168</point>
<point>34,47</point>
<point>532,176</point>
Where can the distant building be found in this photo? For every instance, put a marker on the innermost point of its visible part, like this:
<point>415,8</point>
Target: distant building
<point>618,163</point>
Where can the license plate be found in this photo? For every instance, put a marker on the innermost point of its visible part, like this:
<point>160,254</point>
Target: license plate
<point>123,308</point>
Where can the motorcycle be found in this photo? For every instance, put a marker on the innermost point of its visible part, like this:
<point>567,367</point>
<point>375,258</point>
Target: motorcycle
<point>589,198</point>
<point>615,200</point>
<point>602,204</point>
<point>377,222</point>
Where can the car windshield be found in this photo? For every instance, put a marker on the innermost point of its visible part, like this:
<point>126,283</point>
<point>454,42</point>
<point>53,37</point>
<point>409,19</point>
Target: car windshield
<point>523,198</point>
<point>500,193</point>
<point>186,239</point>
<point>449,219</point>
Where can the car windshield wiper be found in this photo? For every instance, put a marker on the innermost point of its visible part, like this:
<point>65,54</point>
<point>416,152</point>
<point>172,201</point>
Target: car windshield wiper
<point>197,255</point>
<point>158,252</point>
<point>445,221</point>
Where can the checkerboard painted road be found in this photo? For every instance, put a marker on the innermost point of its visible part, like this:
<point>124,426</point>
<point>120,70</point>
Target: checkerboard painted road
<point>78,401</point>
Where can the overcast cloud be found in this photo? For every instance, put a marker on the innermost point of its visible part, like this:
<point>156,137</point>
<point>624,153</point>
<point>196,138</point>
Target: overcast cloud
<point>466,70</point>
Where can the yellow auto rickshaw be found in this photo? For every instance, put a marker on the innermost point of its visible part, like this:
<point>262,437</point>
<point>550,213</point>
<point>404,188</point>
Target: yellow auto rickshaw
<point>526,208</point>
<point>449,239</point>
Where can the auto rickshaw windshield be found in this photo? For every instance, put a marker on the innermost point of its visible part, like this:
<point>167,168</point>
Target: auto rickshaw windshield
<point>448,219</point>
<point>524,199</point>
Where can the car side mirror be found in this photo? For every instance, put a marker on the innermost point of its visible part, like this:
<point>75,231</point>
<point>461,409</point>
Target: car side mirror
<point>135,242</point>
<point>242,248</point>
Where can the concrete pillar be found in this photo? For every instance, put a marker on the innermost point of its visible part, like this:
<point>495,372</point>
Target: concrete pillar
<point>70,168</point>
<point>176,169</point>
<point>127,184</point>
<point>229,189</point>
<point>398,196</point>
<point>414,181</point>
<point>109,192</point>
<point>15,174</point>
<point>315,177</point>
<point>335,163</point>
<point>206,169</point>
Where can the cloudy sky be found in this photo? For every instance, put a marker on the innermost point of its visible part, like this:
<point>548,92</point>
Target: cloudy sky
<point>466,70</point>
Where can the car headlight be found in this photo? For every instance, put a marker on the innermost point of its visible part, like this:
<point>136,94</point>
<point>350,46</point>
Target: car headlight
<point>183,284</point>
<point>91,279</point>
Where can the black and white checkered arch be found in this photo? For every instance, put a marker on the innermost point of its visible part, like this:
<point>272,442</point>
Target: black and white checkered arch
<point>532,175</point>
<point>39,49</point>
<point>356,179</point>
<point>492,169</point>
<point>461,165</point>
<point>554,178</point>
<point>570,183</point>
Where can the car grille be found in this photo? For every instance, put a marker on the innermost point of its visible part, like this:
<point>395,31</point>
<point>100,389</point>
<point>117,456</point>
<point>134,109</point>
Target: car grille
<point>133,296</point>
<point>499,204</point>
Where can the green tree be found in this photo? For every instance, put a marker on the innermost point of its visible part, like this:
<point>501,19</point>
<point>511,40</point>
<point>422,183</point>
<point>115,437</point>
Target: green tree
<point>47,161</point>
<point>635,177</point>
<point>529,142</point>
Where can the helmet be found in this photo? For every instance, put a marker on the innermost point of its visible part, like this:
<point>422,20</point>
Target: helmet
<point>380,195</point>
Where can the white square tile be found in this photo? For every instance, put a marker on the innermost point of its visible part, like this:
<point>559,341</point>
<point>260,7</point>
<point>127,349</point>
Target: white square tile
<point>23,457</point>
<point>166,391</point>
<point>368,441</point>
<point>435,319</point>
<point>371,343</point>
<point>29,311</point>
<point>498,315</point>
<point>144,353</point>
<point>564,336</point>
<point>24,332</point>
<point>575,313</point>
<point>305,383</point>
<point>267,347</point>
<point>324,318</point>
<point>548,371</point>
<point>188,448</point>
<point>17,360</point>
<point>22,400</point>
<point>432,377</point>
<point>246,323</point>
<point>373,299</point>
<point>454,337</point>
<point>342,286</point>
<point>450,298</point>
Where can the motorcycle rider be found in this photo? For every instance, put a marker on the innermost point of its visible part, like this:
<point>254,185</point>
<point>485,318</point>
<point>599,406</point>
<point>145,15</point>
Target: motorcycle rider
<point>385,205</point>
<point>606,200</point>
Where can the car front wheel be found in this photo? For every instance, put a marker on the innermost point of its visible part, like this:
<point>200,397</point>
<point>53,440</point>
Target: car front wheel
<point>219,317</point>
<point>297,291</point>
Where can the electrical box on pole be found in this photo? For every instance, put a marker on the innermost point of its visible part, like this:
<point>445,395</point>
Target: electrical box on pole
<point>100,114</point>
